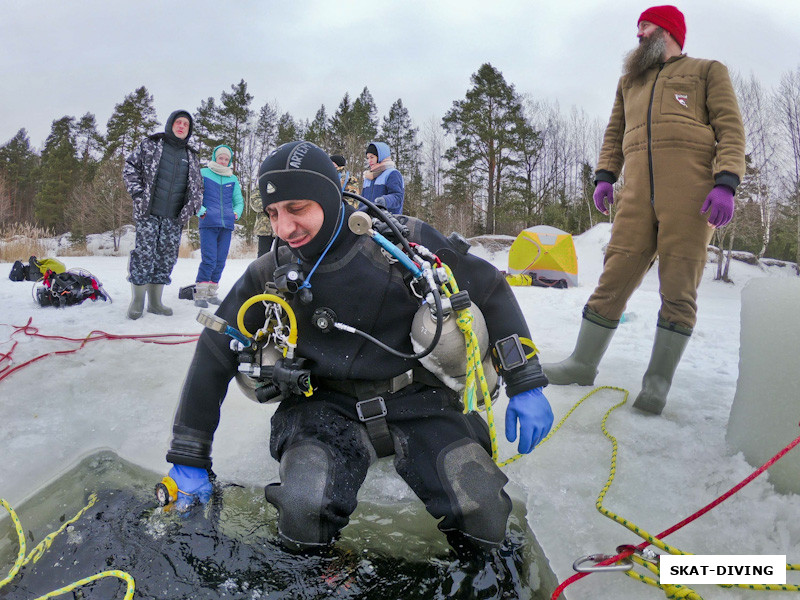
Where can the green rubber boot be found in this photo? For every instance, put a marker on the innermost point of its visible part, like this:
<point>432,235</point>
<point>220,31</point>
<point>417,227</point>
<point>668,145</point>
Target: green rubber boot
<point>581,366</point>
<point>668,348</point>
<point>136,307</point>
<point>154,291</point>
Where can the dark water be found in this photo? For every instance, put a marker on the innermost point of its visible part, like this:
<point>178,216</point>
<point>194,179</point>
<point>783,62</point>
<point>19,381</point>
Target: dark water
<point>230,549</point>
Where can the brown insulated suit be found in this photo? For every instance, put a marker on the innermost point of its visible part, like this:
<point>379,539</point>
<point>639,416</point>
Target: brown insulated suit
<point>679,132</point>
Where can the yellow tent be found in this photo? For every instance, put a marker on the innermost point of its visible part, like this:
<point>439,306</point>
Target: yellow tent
<point>545,256</point>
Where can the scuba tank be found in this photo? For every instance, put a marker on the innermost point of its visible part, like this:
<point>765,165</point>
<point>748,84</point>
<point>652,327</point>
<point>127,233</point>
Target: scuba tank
<point>448,359</point>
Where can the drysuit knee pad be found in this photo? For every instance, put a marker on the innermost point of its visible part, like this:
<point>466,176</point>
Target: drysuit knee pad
<point>304,519</point>
<point>474,485</point>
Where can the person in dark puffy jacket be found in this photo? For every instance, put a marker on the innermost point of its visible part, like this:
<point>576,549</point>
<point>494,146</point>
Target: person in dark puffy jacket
<point>383,183</point>
<point>162,175</point>
<point>223,204</point>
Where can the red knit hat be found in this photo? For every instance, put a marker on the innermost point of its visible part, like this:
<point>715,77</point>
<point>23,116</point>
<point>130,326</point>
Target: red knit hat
<point>669,18</point>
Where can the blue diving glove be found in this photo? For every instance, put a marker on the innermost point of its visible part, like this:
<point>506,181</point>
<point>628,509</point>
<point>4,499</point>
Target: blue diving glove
<point>192,483</point>
<point>535,417</point>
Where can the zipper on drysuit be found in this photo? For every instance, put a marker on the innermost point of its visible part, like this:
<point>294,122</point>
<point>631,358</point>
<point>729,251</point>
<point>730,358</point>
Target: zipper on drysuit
<point>650,135</point>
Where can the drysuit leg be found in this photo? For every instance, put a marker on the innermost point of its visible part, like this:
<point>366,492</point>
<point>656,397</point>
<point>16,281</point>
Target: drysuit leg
<point>324,457</point>
<point>446,459</point>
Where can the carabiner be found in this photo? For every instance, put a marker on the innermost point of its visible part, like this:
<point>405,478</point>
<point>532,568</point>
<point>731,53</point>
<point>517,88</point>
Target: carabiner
<point>626,565</point>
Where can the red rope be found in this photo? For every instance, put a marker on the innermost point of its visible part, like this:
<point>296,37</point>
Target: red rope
<point>630,550</point>
<point>93,336</point>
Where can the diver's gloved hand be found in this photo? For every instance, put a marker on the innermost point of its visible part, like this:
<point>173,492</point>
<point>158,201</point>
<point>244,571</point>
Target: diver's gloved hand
<point>385,230</point>
<point>193,483</point>
<point>535,417</point>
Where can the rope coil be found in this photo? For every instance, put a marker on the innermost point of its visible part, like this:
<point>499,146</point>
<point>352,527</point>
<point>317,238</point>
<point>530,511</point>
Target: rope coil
<point>45,544</point>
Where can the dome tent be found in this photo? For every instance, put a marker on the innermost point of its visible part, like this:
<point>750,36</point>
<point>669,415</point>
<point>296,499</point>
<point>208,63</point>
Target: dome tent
<point>543,256</point>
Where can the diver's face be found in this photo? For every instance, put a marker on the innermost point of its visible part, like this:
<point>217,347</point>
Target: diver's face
<point>296,222</point>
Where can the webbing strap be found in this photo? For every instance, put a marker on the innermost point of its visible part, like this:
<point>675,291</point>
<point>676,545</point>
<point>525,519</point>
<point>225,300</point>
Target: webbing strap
<point>372,413</point>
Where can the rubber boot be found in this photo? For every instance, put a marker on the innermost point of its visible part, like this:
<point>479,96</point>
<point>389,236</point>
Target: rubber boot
<point>212,294</point>
<point>668,348</point>
<point>581,366</point>
<point>136,307</point>
<point>154,291</point>
<point>201,294</point>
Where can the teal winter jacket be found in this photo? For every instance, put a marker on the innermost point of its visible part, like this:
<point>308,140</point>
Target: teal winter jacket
<point>223,202</point>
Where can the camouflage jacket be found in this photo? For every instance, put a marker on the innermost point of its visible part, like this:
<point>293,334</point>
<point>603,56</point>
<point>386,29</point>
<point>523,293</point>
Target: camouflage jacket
<point>141,169</point>
<point>262,226</point>
<point>350,186</point>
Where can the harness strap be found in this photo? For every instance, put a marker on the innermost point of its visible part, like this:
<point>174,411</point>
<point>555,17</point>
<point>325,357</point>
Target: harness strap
<point>363,389</point>
<point>372,413</point>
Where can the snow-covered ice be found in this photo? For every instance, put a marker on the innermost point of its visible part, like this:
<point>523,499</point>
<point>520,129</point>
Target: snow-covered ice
<point>122,395</point>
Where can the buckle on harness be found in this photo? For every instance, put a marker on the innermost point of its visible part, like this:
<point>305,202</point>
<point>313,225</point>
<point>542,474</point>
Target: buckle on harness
<point>369,410</point>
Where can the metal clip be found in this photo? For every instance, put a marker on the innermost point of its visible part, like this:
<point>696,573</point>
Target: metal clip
<point>626,565</point>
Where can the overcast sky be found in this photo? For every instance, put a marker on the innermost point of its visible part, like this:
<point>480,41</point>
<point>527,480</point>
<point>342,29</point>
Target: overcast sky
<point>68,58</point>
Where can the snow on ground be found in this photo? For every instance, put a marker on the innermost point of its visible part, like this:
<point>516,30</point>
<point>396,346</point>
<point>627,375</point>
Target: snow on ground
<point>122,395</point>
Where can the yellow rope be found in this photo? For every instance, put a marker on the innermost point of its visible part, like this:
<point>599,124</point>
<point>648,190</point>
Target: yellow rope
<point>671,591</point>
<point>43,546</point>
<point>475,378</point>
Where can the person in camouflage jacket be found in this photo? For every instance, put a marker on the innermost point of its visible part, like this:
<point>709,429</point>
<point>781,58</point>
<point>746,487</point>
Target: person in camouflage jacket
<point>348,180</point>
<point>262,228</point>
<point>162,175</point>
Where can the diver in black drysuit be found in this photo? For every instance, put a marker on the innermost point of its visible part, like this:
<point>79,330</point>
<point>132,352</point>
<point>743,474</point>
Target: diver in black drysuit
<point>323,447</point>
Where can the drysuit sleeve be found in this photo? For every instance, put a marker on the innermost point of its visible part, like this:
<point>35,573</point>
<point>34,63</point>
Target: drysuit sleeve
<point>213,366</point>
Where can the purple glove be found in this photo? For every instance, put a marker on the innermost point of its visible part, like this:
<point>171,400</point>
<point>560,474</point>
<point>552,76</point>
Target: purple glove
<point>720,201</point>
<point>603,196</point>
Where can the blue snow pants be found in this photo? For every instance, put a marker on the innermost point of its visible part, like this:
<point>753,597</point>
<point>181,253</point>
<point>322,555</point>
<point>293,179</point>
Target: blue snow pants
<point>214,245</point>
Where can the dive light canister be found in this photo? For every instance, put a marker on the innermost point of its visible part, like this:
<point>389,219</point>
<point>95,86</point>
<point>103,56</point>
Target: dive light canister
<point>166,491</point>
<point>448,360</point>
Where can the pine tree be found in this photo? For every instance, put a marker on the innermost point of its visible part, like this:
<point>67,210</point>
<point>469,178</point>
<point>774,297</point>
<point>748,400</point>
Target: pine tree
<point>132,120</point>
<point>288,130</point>
<point>484,125</point>
<point>58,175</point>
<point>234,116</point>
<point>318,131</point>
<point>89,144</point>
<point>18,167</point>
<point>398,131</point>
<point>206,129</point>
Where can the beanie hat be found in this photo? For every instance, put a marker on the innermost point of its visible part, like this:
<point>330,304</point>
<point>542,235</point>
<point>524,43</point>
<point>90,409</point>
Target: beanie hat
<point>669,18</point>
<point>302,171</point>
<point>372,149</point>
<point>222,149</point>
<point>338,160</point>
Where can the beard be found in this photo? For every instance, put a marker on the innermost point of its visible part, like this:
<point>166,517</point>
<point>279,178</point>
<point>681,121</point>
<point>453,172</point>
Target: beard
<point>648,53</point>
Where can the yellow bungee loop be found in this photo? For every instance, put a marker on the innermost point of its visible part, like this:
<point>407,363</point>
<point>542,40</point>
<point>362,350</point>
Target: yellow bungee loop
<point>42,547</point>
<point>292,341</point>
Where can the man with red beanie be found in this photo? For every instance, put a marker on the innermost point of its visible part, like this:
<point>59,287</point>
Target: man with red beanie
<point>676,127</point>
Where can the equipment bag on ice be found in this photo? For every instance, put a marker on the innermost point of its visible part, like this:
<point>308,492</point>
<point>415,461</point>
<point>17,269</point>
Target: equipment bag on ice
<point>35,269</point>
<point>69,288</point>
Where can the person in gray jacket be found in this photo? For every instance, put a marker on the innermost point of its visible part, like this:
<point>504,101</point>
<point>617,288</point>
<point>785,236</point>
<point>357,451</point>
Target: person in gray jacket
<point>162,176</point>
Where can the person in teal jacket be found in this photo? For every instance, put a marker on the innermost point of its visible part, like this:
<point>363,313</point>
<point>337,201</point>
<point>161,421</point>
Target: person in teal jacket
<point>223,204</point>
